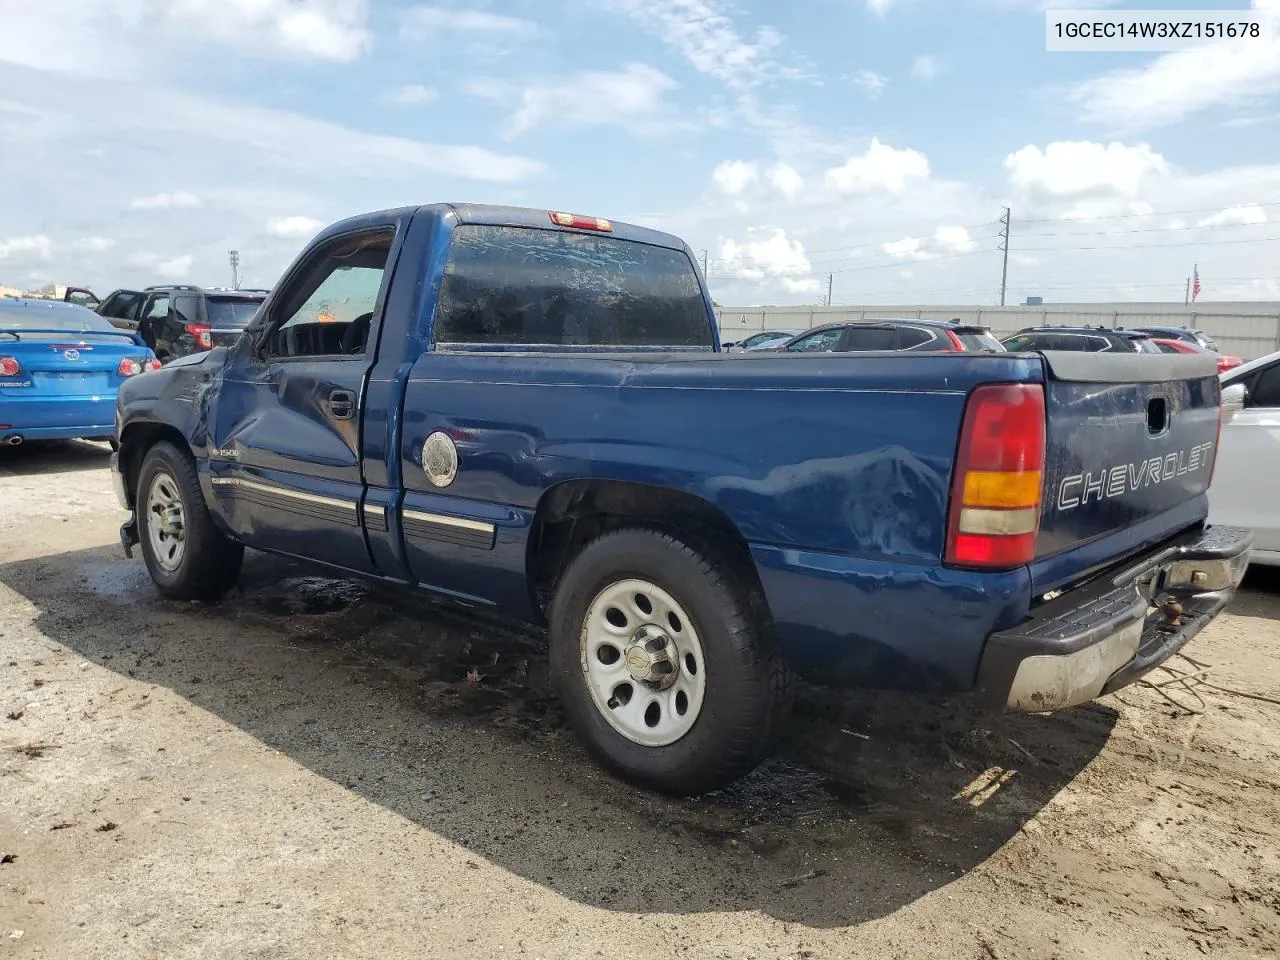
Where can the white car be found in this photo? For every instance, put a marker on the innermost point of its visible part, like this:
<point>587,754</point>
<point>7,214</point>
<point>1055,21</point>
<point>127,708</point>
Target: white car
<point>1243,493</point>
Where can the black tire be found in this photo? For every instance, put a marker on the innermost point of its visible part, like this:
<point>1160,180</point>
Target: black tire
<point>748,684</point>
<point>210,564</point>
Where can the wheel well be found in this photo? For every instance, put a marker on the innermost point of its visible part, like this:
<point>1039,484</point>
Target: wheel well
<point>135,441</point>
<point>571,515</point>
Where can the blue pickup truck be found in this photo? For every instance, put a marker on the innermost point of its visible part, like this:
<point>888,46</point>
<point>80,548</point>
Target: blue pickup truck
<point>529,411</point>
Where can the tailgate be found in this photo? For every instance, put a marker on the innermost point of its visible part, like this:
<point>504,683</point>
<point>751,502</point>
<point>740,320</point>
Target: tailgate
<point>1131,440</point>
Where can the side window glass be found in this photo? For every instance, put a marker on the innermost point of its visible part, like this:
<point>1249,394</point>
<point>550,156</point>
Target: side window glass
<point>861,339</point>
<point>1266,389</point>
<point>328,308</point>
<point>186,310</point>
<point>909,337</point>
<point>157,309</point>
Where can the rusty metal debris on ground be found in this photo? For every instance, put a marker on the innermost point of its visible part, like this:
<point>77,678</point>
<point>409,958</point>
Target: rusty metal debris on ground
<point>808,875</point>
<point>17,714</point>
<point>34,749</point>
<point>8,858</point>
<point>64,825</point>
<point>107,827</point>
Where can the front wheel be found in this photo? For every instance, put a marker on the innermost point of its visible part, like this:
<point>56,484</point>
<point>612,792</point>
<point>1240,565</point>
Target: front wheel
<point>665,665</point>
<point>186,555</point>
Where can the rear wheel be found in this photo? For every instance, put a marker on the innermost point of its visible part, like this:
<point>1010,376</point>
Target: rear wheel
<point>186,555</point>
<point>664,663</point>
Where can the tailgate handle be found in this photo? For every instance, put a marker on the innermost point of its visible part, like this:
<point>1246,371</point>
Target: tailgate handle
<point>1157,416</point>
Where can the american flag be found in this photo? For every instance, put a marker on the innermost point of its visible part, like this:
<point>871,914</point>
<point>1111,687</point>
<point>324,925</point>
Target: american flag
<point>1195,283</point>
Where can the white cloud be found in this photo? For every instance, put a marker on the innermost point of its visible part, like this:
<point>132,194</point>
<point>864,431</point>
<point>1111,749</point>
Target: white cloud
<point>323,29</point>
<point>181,200</point>
<point>590,97</point>
<point>787,181</point>
<point>37,246</point>
<point>908,248</point>
<point>870,81</point>
<point>954,239</point>
<point>1227,73</point>
<point>734,176</point>
<point>176,268</point>
<point>925,67</point>
<point>768,253</point>
<point>293,227</point>
<point>1107,208</point>
<point>1176,223</point>
<point>701,31</point>
<point>1236,216</point>
<point>93,244</point>
<point>419,23</point>
<point>1080,168</point>
<point>413,94</point>
<point>880,7</point>
<point>880,167</point>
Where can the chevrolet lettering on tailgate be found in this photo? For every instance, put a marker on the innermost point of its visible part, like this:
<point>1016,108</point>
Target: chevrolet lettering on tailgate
<point>1080,488</point>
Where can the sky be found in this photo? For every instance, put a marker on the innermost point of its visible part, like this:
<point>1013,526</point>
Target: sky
<point>868,147</point>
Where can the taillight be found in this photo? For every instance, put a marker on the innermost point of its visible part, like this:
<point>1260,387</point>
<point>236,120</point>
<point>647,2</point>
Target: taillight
<point>995,494</point>
<point>202,333</point>
<point>132,366</point>
<point>956,343</point>
<point>9,367</point>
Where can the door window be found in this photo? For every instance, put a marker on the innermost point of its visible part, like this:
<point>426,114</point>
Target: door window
<point>1266,389</point>
<point>823,341</point>
<point>911,338</point>
<point>865,339</point>
<point>122,306</point>
<point>327,310</point>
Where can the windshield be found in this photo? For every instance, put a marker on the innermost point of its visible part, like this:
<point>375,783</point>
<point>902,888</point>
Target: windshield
<point>51,315</point>
<point>226,313</point>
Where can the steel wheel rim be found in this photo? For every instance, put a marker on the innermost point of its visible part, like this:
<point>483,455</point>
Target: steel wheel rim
<point>632,629</point>
<point>166,522</point>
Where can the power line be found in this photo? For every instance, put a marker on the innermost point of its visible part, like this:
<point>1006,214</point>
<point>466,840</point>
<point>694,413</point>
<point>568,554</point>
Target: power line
<point>1160,213</point>
<point>1148,246</point>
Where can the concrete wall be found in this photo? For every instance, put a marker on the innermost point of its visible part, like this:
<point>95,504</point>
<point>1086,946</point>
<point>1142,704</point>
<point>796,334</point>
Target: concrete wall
<point>1246,330</point>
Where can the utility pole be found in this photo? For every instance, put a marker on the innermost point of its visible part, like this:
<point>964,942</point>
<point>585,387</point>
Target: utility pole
<point>234,257</point>
<point>704,264</point>
<point>1004,237</point>
<point>1186,299</point>
<point>830,277</point>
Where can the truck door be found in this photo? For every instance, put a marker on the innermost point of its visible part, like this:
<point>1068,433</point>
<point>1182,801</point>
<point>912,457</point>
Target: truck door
<point>286,429</point>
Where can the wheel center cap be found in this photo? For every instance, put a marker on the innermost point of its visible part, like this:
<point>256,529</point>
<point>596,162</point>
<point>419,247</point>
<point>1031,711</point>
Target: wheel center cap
<point>651,658</point>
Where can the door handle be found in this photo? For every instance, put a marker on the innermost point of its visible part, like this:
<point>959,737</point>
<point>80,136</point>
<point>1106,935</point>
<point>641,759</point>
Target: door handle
<point>342,404</point>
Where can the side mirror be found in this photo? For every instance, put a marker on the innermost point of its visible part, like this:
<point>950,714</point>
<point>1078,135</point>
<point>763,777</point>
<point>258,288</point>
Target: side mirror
<point>726,346</point>
<point>1233,400</point>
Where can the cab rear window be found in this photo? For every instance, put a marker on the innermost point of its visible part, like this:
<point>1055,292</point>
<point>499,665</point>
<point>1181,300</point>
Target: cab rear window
<point>517,285</point>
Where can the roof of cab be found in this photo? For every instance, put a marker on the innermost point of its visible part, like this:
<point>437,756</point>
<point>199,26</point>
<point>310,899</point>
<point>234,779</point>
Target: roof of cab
<point>498,215</point>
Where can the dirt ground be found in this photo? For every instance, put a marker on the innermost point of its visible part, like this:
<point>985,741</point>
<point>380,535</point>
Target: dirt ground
<point>305,771</point>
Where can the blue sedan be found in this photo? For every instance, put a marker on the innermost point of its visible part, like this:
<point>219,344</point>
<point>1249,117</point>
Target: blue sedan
<point>60,368</point>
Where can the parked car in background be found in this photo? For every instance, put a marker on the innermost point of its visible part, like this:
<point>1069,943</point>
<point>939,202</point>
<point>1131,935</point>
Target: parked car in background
<point>1198,337</point>
<point>177,321</point>
<point>121,308</point>
<point>60,368</point>
<point>1225,362</point>
<point>763,340</point>
<point>917,336</point>
<point>1081,339</point>
<point>1243,491</point>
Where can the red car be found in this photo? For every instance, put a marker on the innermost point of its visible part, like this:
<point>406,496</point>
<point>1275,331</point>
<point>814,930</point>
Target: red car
<point>1225,363</point>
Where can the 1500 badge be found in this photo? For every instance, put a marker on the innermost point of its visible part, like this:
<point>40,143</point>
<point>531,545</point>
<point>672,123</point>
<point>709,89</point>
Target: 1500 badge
<point>1080,488</point>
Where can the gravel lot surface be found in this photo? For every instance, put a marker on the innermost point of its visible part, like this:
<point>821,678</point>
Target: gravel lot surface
<point>304,771</point>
